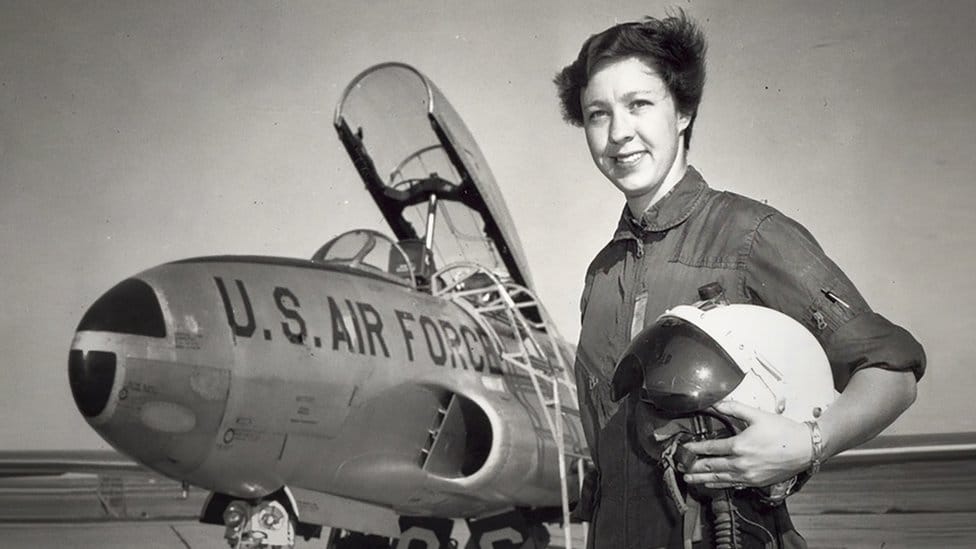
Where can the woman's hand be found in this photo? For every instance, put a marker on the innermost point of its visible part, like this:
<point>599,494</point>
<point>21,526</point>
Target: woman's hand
<point>771,449</point>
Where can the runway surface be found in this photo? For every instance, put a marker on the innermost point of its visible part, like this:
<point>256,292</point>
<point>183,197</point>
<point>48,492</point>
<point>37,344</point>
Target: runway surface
<point>921,504</point>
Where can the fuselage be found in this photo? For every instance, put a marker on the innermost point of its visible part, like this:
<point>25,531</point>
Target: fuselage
<point>246,374</point>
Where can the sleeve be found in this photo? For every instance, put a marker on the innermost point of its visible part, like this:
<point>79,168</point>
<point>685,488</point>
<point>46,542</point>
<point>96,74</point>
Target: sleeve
<point>787,270</point>
<point>588,415</point>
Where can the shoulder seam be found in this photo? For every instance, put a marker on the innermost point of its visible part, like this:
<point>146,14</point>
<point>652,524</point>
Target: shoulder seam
<point>748,248</point>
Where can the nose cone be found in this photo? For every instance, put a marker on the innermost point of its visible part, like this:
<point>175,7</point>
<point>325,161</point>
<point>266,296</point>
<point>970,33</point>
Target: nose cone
<point>158,402</point>
<point>131,307</point>
<point>91,376</point>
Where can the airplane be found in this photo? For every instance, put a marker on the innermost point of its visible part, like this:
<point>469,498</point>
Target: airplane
<point>383,387</point>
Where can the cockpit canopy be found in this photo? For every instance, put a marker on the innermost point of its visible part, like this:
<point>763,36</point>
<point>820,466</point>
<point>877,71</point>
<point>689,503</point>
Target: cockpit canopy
<point>426,173</point>
<point>371,252</point>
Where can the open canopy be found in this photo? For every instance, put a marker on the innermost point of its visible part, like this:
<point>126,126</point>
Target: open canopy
<point>408,145</point>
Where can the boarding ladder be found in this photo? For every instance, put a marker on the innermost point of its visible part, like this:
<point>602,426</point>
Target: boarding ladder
<point>532,348</point>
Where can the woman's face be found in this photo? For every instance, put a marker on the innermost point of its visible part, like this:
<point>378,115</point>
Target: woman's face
<point>634,130</point>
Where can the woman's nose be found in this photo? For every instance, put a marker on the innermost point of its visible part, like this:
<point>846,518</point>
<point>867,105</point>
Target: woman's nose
<point>621,129</point>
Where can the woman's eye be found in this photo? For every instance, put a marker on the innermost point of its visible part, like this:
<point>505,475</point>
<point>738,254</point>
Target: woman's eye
<point>640,104</point>
<point>594,116</point>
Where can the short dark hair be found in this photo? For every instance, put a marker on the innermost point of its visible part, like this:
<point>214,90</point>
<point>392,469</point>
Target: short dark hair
<point>673,46</point>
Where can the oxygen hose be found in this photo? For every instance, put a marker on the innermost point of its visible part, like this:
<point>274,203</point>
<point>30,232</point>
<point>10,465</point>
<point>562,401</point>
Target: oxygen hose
<point>726,527</point>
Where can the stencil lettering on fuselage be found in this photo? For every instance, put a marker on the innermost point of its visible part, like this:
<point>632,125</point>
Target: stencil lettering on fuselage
<point>356,327</point>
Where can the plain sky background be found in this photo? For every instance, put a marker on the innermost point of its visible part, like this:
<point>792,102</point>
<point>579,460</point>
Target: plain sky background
<point>136,133</point>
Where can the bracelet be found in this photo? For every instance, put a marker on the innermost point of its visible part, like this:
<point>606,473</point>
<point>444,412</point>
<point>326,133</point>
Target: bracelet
<point>816,442</point>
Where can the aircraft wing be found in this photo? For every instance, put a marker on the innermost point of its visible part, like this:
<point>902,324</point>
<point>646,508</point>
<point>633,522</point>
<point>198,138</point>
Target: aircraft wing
<point>58,462</point>
<point>88,486</point>
<point>908,448</point>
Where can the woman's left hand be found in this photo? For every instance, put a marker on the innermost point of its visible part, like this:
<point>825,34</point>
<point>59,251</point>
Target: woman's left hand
<point>771,449</point>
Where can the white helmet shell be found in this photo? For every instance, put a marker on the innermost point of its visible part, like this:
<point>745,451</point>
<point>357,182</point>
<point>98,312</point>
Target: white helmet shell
<point>785,370</point>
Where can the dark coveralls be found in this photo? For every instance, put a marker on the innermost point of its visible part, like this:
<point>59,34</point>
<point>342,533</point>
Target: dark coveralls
<point>694,236</point>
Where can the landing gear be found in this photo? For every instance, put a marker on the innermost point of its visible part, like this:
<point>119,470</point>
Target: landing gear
<point>266,525</point>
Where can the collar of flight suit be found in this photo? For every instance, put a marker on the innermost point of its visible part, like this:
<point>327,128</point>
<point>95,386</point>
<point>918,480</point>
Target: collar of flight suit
<point>669,212</point>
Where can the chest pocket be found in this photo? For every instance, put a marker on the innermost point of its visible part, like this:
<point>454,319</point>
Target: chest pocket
<point>720,248</point>
<point>672,278</point>
<point>689,258</point>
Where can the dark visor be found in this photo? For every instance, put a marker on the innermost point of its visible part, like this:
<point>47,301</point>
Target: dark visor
<point>685,371</point>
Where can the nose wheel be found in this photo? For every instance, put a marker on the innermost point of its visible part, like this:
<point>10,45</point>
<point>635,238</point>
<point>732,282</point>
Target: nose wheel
<point>266,525</point>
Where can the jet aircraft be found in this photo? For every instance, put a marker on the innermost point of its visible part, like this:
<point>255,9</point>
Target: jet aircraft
<point>384,386</point>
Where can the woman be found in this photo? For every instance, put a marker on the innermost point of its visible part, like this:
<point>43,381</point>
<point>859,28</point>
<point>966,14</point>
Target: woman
<point>635,89</point>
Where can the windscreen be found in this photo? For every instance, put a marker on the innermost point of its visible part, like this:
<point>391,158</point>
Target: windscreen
<point>368,251</point>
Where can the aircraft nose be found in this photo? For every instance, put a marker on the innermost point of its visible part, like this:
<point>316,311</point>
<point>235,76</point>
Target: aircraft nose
<point>131,307</point>
<point>91,376</point>
<point>152,398</point>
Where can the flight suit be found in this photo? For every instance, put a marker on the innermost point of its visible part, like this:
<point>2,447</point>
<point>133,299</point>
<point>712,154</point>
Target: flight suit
<point>692,237</point>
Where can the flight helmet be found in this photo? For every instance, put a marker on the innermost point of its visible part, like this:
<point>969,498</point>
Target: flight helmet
<point>695,356</point>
